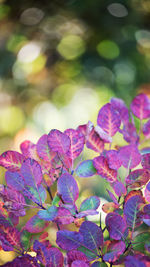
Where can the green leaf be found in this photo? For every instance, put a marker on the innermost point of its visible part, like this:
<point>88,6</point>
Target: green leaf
<point>140,241</point>
<point>85,169</point>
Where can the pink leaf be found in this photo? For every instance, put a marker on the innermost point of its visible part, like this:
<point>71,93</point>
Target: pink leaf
<point>43,149</point>
<point>109,119</point>
<point>146,129</point>
<point>129,156</point>
<point>113,159</point>
<point>102,134</point>
<point>77,143</point>
<point>140,106</point>
<point>11,160</point>
<point>101,165</point>
<point>120,106</point>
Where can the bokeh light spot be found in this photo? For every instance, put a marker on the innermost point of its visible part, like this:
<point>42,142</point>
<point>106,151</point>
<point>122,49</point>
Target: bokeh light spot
<point>117,10</point>
<point>31,16</point>
<point>71,47</point>
<point>143,38</point>
<point>108,49</point>
<point>29,52</point>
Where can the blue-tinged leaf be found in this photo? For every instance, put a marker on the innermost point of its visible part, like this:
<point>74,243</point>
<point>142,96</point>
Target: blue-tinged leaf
<point>49,214</point>
<point>92,235</point>
<point>116,225</point>
<point>69,240</point>
<point>67,188</point>
<point>99,264</point>
<point>114,250</point>
<point>35,225</point>
<point>91,203</point>
<point>15,180</point>
<point>85,169</point>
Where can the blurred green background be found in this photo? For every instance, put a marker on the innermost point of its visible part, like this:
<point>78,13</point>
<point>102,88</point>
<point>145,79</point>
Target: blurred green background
<point>61,60</point>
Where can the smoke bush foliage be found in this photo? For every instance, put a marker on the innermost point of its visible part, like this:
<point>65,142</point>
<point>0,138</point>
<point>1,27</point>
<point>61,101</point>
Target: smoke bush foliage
<point>56,159</point>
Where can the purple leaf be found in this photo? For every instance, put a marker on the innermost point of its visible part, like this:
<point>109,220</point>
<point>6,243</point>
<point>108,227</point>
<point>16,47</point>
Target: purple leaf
<point>92,235</point>
<point>116,225</point>
<point>129,156</point>
<point>131,209</point>
<point>109,119</point>
<point>35,225</point>
<point>103,135</point>
<point>13,200</point>
<point>5,221</point>
<point>74,255</point>
<point>11,160</point>
<point>79,263</point>
<point>131,261</point>
<point>101,165</point>
<point>77,143</point>
<point>119,188</point>
<point>99,264</point>
<point>91,203</point>
<point>69,240</point>
<point>64,216</point>
<point>58,141</point>
<point>9,238</point>
<point>129,133</point>
<point>114,199</point>
<point>23,261</point>
<point>48,256</point>
<point>140,106</point>
<point>146,161</point>
<point>137,178</point>
<point>119,105</point>
<point>113,159</point>
<point>114,250</point>
<point>85,169</point>
<point>15,180</point>
<point>32,173</point>
<point>49,214</point>
<point>67,188</point>
<point>147,192</point>
<point>146,129</point>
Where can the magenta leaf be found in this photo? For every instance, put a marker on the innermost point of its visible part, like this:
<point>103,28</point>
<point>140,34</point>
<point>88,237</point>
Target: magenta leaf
<point>49,214</point>
<point>119,188</point>
<point>9,238</point>
<point>113,159</point>
<point>146,129</point>
<point>77,143</point>
<point>129,133</point>
<point>129,156</point>
<point>69,240</point>
<point>58,141</point>
<point>101,165</point>
<point>140,106</point>
<point>92,235</point>
<point>132,213</point>
<point>13,200</point>
<point>137,178</point>
<point>23,261</point>
<point>146,161</point>
<point>113,198</point>
<point>79,263</point>
<point>67,188</point>
<point>114,250</point>
<point>116,226</point>
<point>103,135</point>
<point>64,216</point>
<point>109,119</point>
<point>11,160</point>
<point>91,203</point>
<point>74,255</point>
<point>35,225</point>
<point>28,149</point>
<point>85,169</point>
<point>147,192</point>
<point>43,149</point>
<point>119,105</point>
<point>93,141</point>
